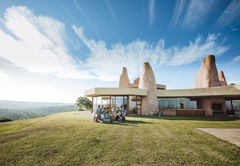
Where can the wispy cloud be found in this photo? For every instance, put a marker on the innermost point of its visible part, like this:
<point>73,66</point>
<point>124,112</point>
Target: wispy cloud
<point>39,44</point>
<point>151,11</point>
<point>86,17</point>
<point>111,11</point>
<point>178,10</point>
<point>197,50</point>
<point>229,15</point>
<point>69,15</point>
<point>197,12</point>
<point>236,59</point>
<point>132,55</point>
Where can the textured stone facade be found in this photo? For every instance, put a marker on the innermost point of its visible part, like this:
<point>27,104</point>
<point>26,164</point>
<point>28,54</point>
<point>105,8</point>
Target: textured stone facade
<point>123,80</point>
<point>136,81</point>
<point>147,81</point>
<point>207,75</point>
<point>207,103</point>
<point>222,78</point>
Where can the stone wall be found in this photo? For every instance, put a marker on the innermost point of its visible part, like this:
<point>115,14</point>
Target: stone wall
<point>182,112</point>
<point>168,112</point>
<point>207,105</point>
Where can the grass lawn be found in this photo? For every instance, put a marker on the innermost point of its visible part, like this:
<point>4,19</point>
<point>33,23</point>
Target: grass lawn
<point>67,139</point>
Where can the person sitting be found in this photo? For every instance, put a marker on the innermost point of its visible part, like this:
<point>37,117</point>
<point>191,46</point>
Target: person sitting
<point>107,118</point>
<point>118,115</point>
<point>105,110</point>
<point>112,118</point>
<point>102,117</point>
<point>123,115</point>
<point>100,113</point>
<point>96,113</point>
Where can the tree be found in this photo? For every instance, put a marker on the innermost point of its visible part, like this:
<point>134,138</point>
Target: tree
<point>232,84</point>
<point>83,102</point>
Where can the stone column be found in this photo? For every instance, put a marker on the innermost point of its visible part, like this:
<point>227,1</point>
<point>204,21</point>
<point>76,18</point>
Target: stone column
<point>123,80</point>
<point>136,81</point>
<point>222,78</point>
<point>147,81</point>
<point>207,75</point>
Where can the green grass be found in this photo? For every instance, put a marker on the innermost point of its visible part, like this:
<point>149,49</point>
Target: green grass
<point>67,139</point>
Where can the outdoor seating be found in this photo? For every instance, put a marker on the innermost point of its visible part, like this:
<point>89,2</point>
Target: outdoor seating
<point>114,118</point>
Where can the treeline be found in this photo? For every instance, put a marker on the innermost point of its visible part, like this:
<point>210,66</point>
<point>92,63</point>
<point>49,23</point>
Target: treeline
<point>29,113</point>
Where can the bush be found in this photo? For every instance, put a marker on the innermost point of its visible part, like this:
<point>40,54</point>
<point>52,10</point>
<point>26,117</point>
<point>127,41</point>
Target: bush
<point>3,119</point>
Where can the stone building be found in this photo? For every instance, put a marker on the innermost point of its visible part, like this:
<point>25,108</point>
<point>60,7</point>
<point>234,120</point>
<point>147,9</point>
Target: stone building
<point>211,95</point>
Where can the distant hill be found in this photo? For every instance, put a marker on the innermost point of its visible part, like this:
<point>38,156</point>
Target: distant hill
<point>22,104</point>
<point>29,113</point>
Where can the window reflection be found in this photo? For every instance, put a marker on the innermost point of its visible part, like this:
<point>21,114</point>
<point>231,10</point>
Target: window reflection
<point>176,103</point>
<point>119,101</point>
<point>132,105</point>
<point>236,105</point>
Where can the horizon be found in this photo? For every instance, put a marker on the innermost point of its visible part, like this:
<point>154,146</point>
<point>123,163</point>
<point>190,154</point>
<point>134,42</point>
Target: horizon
<point>54,51</point>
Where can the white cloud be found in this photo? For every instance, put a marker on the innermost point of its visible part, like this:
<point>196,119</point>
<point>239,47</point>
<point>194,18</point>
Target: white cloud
<point>178,10</point>
<point>197,50</point>
<point>111,11</point>
<point>235,29</point>
<point>151,11</point>
<point>229,15</point>
<point>39,93</point>
<point>4,77</point>
<point>236,59</point>
<point>197,12</point>
<point>38,45</point>
<point>107,63</point>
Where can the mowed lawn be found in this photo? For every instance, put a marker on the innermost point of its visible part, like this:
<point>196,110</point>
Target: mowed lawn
<point>67,139</point>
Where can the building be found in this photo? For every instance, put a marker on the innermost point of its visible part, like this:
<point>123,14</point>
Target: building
<point>211,95</point>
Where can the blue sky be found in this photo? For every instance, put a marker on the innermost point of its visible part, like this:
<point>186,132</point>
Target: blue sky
<point>54,50</point>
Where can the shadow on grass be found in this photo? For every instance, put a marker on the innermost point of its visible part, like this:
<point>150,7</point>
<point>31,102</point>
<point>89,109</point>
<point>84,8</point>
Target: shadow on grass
<point>129,123</point>
<point>203,118</point>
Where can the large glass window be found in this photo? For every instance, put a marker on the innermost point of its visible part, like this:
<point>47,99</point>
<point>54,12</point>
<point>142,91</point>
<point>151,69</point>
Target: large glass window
<point>176,103</point>
<point>228,105</point>
<point>236,105</point>
<point>94,103</point>
<point>113,103</point>
<point>119,101</point>
<point>106,102</point>
<point>132,105</point>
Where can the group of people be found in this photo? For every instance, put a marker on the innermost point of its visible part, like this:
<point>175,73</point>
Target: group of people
<point>101,114</point>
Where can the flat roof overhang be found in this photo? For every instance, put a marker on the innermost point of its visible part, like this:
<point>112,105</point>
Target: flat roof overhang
<point>220,91</point>
<point>115,92</point>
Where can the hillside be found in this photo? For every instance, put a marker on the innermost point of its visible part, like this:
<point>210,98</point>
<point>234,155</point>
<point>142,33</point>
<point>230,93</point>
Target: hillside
<point>22,104</point>
<point>29,113</point>
<point>68,139</point>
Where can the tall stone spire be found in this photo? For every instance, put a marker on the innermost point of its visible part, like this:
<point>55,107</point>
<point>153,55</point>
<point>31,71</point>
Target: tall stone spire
<point>222,78</point>
<point>147,81</point>
<point>123,79</point>
<point>136,81</point>
<point>207,75</point>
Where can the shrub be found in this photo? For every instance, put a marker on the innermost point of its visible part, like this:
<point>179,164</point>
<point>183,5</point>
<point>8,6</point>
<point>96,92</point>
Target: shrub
<point>3,119</point>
